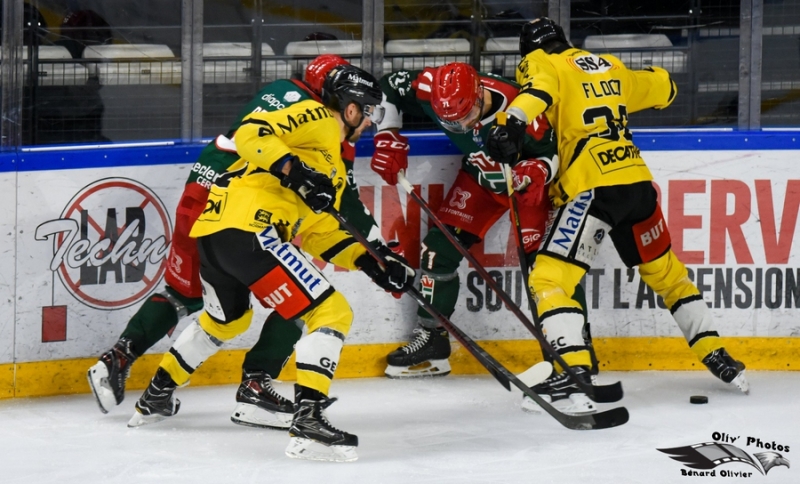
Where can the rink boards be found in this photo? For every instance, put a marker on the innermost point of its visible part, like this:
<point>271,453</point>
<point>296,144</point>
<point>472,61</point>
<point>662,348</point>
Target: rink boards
<point>732,213</point>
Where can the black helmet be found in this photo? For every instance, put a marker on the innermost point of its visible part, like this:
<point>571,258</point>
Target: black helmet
<point>348,84</point>
<point>538,32</point>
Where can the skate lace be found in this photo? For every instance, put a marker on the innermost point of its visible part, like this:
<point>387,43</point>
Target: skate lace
<point>123,356</point>
<point>563,376</point>
<point>324,418</point>
<point>266,386</point>
<point>419,341</point>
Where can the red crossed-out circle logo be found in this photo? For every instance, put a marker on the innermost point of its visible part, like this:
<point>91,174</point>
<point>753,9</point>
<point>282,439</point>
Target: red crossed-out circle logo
<point>110,243</point>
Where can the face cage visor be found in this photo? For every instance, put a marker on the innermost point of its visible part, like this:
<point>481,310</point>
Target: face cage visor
<point>374,112</point>
<point>468,122</point>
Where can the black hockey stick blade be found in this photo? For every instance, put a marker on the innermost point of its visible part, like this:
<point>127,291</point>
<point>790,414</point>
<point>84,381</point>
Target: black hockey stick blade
<point>606,419</point>
<point>602,420</point>
<point>600,393</point>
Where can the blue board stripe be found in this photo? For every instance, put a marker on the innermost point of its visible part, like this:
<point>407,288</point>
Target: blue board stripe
<point>423,143</point>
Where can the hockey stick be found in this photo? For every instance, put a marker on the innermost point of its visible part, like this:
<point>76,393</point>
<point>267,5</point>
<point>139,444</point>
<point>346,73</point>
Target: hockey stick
<point>599,393</point>
<point>610,418</point>
<point>523,260</point>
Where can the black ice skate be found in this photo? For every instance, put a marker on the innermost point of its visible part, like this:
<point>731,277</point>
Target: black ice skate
<point>425,355</point>
<point>312,436</point>
<point>563,393</point>
<point>724,367</point>
<point>156,403</point>
<point>259,405</point>
<point>107,376</point>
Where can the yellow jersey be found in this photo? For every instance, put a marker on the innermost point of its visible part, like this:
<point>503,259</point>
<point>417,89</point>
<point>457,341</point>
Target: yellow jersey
<point>247,197</point>
<point>587,99</point>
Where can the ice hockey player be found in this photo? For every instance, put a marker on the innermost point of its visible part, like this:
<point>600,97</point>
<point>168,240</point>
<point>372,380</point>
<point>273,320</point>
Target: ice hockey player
<point>464,103</point>
<point>258,403</point>
<point>602,188</point>
<point>290,174</point>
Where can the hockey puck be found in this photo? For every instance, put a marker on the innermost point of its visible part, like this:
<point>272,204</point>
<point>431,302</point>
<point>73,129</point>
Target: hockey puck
<point>698,399</point>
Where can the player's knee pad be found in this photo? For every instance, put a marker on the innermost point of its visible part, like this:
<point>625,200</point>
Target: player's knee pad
<point>225,331</point>
<point>333,313</point>
<point>191,349</point>
<point>294,286</point>
<point>553,282</point>
<point>317,357</point>
<point>668,277</point>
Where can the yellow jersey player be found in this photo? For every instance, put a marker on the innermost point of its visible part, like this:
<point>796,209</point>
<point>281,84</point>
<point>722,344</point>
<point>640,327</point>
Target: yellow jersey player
<point>290,173</point>
<point>603,188</point>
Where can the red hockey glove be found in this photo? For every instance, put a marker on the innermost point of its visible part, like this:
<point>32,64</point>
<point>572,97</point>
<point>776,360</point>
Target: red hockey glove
<point>529,181</point>
<point>391,155</point>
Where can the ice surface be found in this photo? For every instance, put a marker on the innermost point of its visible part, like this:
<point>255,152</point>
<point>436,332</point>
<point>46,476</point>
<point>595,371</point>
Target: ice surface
<point>444,430</point>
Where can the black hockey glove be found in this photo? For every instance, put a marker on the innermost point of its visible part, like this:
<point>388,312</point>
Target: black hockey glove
<point>505,140</point>
<point>313,187</point>
<point>398,277</point>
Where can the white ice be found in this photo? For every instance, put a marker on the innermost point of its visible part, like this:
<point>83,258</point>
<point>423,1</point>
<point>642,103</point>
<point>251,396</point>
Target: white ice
<point>445,430</point>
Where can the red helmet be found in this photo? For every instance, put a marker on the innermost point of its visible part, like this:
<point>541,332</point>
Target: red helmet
<point>318,68</point>
<point>456,96</point>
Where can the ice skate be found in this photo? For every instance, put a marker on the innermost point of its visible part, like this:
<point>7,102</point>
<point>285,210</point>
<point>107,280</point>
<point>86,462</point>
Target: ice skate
<point>724,367</point>
<point>561,391</point>
<point>259,405</point>
<point>313,437</point>
<point>157,402</point>
<point>107,377</point>
<point>425,355</point>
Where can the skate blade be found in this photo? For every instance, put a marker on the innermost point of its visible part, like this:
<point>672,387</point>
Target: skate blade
<point>576,404</point>
<point>308,449</point>
<point>98,382</point>
<point>741,383</point>
<point>139,420</point>
<point>424,369</point>
<point>254,416</point>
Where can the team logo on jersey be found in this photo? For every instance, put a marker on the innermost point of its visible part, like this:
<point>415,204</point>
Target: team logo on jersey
<point>591,64</point>
<point>399,81</point>
<point>291,96</point>
<point>459,199</point>
<point>491,173</point>
<point>110,243</point>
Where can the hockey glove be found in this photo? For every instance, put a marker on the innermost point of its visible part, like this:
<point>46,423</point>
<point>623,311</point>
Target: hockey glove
<point>391,155</point>
<point>505,139</point>
<point>316,189</point>
<point>530,177</point>
<point>397,277</point>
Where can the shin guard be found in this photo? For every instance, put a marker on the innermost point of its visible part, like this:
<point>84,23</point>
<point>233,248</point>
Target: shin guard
<point>192,348</point>
<point>317,357</point>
